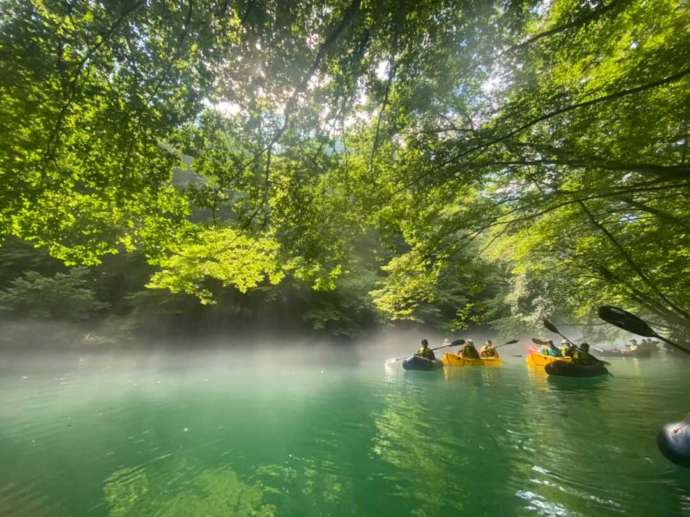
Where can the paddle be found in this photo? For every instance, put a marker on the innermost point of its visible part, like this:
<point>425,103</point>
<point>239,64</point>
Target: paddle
<point>628,321</point>
<point>456,342</point>
<point>550,326</point>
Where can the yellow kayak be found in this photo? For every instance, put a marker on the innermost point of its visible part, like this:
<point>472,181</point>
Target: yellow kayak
<point>491,361</point>
<point>456,360</point>
<point>452,360</point>
<point>537,359</point>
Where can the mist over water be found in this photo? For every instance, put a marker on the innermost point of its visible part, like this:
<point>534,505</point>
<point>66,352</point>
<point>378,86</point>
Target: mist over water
<point>317,428</point>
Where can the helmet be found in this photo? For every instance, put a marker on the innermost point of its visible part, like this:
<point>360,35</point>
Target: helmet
<point>584,347</point>
<point>425,342</point>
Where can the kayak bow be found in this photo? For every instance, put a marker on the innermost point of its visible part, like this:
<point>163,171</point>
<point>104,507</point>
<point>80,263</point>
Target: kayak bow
<point>416,362</point>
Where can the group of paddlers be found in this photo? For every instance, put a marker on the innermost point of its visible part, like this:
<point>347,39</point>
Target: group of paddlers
<point>468,350</point>
<point>580,355</point>
<point>646,345</point>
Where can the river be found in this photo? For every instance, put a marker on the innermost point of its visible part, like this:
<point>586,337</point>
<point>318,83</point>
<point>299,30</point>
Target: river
<point>220,434</point>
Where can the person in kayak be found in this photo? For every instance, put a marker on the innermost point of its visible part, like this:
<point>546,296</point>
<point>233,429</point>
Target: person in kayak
<point>469,351</point>
<point>648,345</point>
<point>425,351</point>
<point>550,349</point>
<point>569,349</point>
<point>583,357</point>
<point>564,347</point>
<point>488,350</point>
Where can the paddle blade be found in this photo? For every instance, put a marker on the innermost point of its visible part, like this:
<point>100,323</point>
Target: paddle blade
<point>457,342</point>
<point>511,342</point>
<point>625,320</point>
<point>551,326</point>
<point>537,341</point>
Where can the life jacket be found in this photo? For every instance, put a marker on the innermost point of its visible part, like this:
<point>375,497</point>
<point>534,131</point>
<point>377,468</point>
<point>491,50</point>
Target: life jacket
<point>580,357</point>
<point>488,351</point>
<point>427,353</point>
<point>469,351</point>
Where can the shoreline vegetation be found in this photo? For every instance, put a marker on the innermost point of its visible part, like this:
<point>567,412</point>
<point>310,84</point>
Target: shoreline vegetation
<point>331,168</point>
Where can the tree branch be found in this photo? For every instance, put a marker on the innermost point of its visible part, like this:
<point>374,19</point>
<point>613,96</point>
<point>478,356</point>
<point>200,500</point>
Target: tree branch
<point>629,260</point>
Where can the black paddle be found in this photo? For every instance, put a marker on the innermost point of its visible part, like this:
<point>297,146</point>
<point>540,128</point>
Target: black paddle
<point>628,321</point>
<point>550,326</point>
<point>455,342</point>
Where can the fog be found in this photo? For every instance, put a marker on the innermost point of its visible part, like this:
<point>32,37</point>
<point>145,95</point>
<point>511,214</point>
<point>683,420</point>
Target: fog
<point>41,344</point>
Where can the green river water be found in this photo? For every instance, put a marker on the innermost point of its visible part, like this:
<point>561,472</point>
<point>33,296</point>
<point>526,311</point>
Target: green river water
<point>220,435</point>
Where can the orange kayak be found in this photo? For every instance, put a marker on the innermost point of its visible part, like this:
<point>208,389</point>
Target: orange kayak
<point>534,358</point>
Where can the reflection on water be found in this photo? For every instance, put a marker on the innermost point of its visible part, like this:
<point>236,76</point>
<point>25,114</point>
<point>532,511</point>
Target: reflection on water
<point>537,375</point>
<point>138,491</point>
<point>406,439</point>
<point>153,439</point>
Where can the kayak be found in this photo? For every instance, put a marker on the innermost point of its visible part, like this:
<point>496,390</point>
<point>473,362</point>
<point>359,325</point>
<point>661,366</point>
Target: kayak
<point>420,363</point>
<point>569,369</point>
<point>491,361</point>
<point>674,442</point>
<point>534,358</point>
<point>456,360</point>
<point>452,360</point>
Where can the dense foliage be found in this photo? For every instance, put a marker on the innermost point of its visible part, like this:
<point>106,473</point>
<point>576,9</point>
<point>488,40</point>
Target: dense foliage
<point>453,163</point>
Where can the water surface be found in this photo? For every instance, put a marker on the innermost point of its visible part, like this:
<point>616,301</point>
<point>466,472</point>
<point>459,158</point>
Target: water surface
<point>223,435</point>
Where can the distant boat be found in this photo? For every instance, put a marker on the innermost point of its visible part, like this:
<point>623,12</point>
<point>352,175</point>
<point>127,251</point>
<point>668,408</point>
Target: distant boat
<point>644,349</point>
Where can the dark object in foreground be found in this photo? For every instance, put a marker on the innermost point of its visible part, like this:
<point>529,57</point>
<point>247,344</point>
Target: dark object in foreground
<point>674,439</point>
<point>563,369</point>
<point>420,363</point>
<point>674,442</point>
<point>628,321</point>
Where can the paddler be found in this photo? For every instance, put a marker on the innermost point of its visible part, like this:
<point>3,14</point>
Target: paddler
<point>488,350</point>
<point>564,347</point>
<point>550,349</point>
<point>568,349</point>
<point>469,351</point>
<point>425,351</point>
<point>583,357</point>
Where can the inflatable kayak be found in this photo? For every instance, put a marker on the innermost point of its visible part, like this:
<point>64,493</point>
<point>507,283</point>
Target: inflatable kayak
<point>456,360</point>
<point>489,361</point>
<point>674,442</point>
<point>420,363</point>
<point>534,358</point>
<point>570,369</point>
<point>452,360</point>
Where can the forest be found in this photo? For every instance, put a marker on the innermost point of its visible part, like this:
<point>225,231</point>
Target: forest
<point>190,167</point>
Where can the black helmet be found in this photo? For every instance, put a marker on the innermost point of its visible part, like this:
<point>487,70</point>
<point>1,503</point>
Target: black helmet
<point>585,347</point>
<point>425,342</point>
